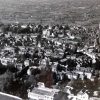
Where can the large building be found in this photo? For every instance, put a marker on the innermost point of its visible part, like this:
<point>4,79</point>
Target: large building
<point>42,93</point>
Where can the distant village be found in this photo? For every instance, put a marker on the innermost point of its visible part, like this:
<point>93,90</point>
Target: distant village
<point>47,61</point>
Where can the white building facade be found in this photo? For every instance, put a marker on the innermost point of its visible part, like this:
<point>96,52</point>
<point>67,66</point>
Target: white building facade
<point>42,93</point>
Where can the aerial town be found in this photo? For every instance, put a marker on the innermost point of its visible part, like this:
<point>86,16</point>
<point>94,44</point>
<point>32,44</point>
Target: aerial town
<point>49,49</point>
<point>49,62</point>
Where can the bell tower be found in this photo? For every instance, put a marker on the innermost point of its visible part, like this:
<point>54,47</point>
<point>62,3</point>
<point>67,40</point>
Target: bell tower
<point>97,39</point>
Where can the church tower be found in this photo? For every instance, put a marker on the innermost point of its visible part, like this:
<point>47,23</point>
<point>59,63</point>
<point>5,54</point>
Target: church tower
<point>97,40</point>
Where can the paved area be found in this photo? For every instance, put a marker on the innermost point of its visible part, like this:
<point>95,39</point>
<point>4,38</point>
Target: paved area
<point>4,96</point>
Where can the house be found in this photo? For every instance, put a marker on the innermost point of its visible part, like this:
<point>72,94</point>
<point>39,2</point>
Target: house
<point>96,93</point>
<point>68,89</point>
<point>42,93</point>
<point>71,75</point>
<point>82,96</point>
<point>84,71</point>
<point>94,98</point>
<point>88,75</point>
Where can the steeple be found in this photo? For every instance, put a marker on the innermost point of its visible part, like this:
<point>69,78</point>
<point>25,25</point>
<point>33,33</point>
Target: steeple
<point>97,39</point>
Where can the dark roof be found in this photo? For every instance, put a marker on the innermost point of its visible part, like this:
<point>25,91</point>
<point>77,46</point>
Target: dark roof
<point>61,96</point>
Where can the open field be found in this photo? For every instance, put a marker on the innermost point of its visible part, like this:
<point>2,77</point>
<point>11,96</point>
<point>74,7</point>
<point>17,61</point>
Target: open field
<point>50,12</point>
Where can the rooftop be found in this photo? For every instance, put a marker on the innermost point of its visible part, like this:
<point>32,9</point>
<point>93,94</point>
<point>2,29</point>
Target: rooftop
<point>42,92</point>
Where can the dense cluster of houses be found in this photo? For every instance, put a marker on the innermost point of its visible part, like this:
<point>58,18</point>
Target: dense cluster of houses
<point>29,49</point>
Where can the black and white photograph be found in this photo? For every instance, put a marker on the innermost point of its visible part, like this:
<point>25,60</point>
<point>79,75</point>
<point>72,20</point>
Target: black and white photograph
<point>49,49</point>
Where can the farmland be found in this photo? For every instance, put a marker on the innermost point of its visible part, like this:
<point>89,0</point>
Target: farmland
<point>86,12</point>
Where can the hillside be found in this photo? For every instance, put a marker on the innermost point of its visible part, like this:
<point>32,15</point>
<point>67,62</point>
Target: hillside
<point>86,12</point>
